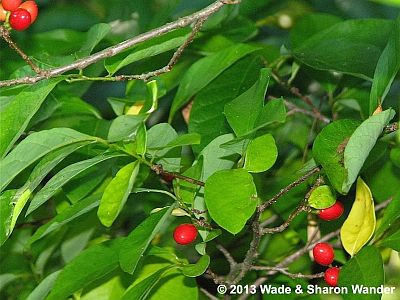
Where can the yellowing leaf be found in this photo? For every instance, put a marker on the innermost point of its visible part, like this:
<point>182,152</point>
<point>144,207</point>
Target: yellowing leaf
<point>135,109</point>
<point>360,224</point>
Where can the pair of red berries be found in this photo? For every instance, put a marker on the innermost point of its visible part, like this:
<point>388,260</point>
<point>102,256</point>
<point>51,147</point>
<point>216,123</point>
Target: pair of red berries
<point>324,255</point>
<point>185,234</point>
<point>19,15</point>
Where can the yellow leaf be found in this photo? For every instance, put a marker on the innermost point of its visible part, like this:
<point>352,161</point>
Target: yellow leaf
<point>360,224</point>
<point>135,109</point>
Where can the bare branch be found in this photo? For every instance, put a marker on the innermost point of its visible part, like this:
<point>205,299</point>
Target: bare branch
<point>114,50</point>
<point>208,294</point>
<point>285,190</point>
<point>286,224</point>
<point>228,256</point>
<point>159,170</point>
<point>286,272</point>
<point>5,34</point>
<point>296,109</point>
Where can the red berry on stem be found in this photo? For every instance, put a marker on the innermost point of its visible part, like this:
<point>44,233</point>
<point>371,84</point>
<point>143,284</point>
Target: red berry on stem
<point>333,212</point>
<point>185,234</point>
<point>11,5</point>
<point>32,8</point>
<point>323,254</point>
<point>331,276</point>
<point>20,19</point>
<point>168,177</point>
<point>3,13</point>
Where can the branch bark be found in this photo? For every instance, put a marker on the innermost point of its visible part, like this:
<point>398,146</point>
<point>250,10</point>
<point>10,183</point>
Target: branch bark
<point>80,64</point>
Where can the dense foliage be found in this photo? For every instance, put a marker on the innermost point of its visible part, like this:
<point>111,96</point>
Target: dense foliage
<point>271,126</point>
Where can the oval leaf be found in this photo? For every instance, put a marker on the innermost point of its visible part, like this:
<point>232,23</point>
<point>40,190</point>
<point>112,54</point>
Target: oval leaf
<point>361,143</point>
<point>364,269</point>
<point>231,193</point>
<point>261,154</point>
<point>322,197</point>
<point>329,147</point>
<point>116,193</point>
<point>197,269</point>
<point>360,224</point>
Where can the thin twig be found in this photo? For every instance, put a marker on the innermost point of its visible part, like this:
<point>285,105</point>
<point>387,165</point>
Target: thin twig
<point>251,254</point>
<point>228,256</point>
<point>118,48</point>
<point>178,53</point>
<point>208,294</point>
<point>5,34</point>
<point>285,190</point>
<point>159,170</point>
<point>296,109</point>
<point>286,272</point>
<point>286,224</point>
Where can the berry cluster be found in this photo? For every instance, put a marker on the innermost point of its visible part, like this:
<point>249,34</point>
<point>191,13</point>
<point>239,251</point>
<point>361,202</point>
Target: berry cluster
<point>17,14</point>
<point>323,252</point>
<point>324,255</point>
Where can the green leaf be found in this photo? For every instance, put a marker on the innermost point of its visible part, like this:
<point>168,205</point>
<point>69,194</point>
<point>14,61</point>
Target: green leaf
<point>197,269</point>
<point>328,150</point>
<point>12,203</point>
<point>341,47</point>
<point>186,190</point>
<point>364,269</point>
<point>230,193</point>
<point>391,215</point>
<point>321,197</point>
<point>311,24</point>
<point>125,127</point>
<point>141,139</point>
<point>17,114</point>
<point>147,49</point>
<point>44,287</point>
<point>206,70</point>
<point>64,176</point>
<point>216,158</point>
<point>141,290</point>
<point>48,163</point>
<point>242,112</point>
<point>392,241</point>
<point>159,136</point>
<point>182,140</point>
<point>274,111</point>
<point>387,68</point>
<point>361,143</point>
<point>206,115</point>
<point>136,243</point>
<point>261,154</point>
<point>67,215</point>
<point>116,193</point>
<point>360,223</point>
<point>94,36</point>
<point>90,265</point>
<point>34,147</point>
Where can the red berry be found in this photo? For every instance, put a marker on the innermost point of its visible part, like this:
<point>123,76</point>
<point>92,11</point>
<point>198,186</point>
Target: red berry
<point>3,13</point>
<point>323,254</point>
<point>331,276</point>
<point>32,8</point>
<point>185,234</point>
<point>20,19</point>
<point>333,212</point>
<point>11,5</point>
